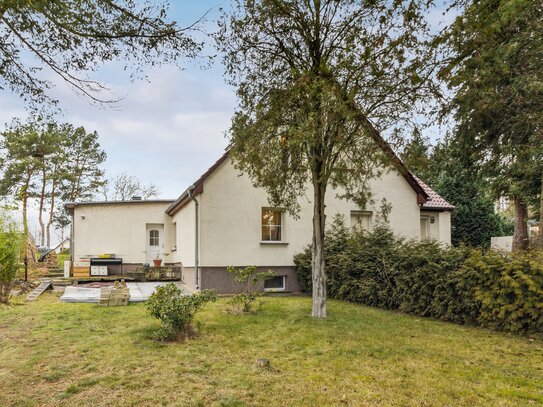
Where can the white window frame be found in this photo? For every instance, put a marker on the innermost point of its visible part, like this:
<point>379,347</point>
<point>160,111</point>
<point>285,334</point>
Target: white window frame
<point>359,213</point>
<point>281,226</point>
<point>425,218</point>
<point>284,278</point>
<point>153,238</point>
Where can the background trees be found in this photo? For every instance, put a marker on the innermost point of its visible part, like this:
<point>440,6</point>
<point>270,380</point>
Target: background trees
<point>49,162</point>
<point>124,187</point>
<point>317,80</point>
<point>496,48</point>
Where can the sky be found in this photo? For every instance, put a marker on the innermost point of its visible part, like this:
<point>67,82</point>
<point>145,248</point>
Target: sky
<point>168,129</point>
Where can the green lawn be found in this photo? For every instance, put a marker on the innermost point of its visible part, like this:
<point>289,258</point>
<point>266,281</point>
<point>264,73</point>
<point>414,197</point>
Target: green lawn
<point>80,354</point>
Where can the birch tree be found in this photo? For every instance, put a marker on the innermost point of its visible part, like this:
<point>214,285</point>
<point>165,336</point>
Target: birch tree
<point>317,81</point>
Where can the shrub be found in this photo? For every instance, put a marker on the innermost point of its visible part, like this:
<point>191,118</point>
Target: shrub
<point>509,289</point>
<point>248,278</point>
<point>10,252</point>
<point>457,284</point>
<point>176,310</point>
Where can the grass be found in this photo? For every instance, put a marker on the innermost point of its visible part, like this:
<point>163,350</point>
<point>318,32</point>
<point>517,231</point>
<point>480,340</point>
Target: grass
<point>81,354</point>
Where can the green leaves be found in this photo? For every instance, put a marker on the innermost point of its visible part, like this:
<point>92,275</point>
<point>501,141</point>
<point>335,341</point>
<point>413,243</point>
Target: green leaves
<point>457,284</point>
<point>176,310</point>
<point>11,246</point>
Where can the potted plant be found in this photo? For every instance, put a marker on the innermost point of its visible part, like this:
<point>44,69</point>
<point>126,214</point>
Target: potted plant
<point>157,262</point>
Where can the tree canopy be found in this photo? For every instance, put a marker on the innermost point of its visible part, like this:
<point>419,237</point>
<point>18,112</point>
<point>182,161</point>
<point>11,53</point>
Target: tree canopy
<point>316,81</point>
<point>496,49</point>
<point>69,38</point>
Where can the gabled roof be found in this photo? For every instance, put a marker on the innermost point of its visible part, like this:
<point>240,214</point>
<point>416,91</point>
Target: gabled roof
<point>435,201</point>
<point>424,192</point>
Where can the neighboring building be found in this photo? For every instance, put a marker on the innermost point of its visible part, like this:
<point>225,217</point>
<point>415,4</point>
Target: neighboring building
<point>223,220</point>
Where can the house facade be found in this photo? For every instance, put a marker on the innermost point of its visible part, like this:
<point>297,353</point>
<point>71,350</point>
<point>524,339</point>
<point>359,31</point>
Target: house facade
<point>223,220</point>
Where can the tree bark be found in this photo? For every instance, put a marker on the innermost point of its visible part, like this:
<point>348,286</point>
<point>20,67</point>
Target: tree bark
<point>51,214</point>
<point>42,199</point>
<point>317,251</point>
<point>520,235</point>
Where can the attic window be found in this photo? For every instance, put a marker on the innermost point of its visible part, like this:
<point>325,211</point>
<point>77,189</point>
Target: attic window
<point>360,220</point>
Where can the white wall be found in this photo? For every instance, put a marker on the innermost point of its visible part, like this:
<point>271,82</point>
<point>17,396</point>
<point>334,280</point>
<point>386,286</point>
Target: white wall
<point>230,218</point>
<point>441,228</point>
<point>118,228</point>
<point>185,221</point>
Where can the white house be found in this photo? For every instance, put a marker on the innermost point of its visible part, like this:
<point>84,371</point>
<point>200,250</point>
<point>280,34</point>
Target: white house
<point>223,220</point>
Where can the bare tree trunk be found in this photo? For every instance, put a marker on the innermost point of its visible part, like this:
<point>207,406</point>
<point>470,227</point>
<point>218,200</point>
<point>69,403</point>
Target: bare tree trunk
<point>51,214</point>
<point>42,199</point>
<point>520,235</point>
<point>317,251</point>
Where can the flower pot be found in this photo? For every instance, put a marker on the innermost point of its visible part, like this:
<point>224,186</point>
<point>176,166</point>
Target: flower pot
<point>157,262</point>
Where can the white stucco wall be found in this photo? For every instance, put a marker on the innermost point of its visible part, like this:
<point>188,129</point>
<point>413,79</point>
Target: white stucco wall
<point>440,229</point>
<point>118,228</point>
<point>185,222</point>
<point>230,218</point>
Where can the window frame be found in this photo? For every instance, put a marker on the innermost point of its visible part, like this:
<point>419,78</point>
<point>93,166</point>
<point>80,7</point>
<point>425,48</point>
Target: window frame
<point>283,288</point>
<point>361,213</point>
<point>152,238</point>
<point>280,226</point>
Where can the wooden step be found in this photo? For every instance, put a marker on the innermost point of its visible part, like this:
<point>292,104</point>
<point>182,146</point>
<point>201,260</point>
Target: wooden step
<point>39,290</point>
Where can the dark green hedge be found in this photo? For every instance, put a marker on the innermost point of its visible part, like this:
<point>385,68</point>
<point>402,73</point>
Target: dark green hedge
<point>458,284</point>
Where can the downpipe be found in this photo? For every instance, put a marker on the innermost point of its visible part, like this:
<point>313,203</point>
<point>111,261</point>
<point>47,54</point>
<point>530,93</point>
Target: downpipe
<point>196,239</point>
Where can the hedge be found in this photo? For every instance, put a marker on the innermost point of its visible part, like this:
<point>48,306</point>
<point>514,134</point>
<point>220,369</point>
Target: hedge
<point>457,284</point>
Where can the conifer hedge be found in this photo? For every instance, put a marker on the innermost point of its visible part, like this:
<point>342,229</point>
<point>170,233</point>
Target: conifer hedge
<point>503,291</point>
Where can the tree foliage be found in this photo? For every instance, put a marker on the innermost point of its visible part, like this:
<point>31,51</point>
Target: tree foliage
<point>176,310</point>
<point>457,284</point>
<point>68,38</point>
<point>49,163</point>
<point>451,170</point>
<point>10,253</point>
<point>495,73</point>
<point>316,81</point>
<point>248,278</point>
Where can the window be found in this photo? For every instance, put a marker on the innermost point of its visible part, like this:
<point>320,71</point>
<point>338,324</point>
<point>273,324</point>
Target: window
<point>154,238</point>
<point>424,228</point>
<point>174,236</point>
<point>271,225</point>
<point>360,220</point>
<point>277,283</point>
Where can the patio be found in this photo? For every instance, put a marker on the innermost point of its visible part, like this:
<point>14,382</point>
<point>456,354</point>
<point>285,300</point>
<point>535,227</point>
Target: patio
<point>139,292</point>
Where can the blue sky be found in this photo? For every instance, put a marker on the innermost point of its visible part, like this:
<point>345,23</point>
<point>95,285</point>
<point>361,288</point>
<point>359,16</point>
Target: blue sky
<point>168,130</point>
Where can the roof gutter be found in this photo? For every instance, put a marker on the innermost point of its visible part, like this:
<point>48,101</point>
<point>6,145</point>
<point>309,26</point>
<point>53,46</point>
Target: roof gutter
<point>196,237</point>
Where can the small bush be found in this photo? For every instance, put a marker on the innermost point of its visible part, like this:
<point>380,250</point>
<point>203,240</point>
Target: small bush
<point>457,284</point>
<point>10,253</point>
<point>248,278</point>
<point>176,311</point>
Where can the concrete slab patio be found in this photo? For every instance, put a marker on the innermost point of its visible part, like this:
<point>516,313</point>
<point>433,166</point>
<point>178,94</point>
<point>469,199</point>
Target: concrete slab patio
<point>139,292</point>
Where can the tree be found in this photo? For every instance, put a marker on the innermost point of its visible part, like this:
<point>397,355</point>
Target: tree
<point>496,76</point>
<point>10,253</point>
<point>416,155</point>
<point>316,81</point>
<point>67,38</point>
<point>47,161</point>
<point>19,166</point>
<point>126,186</point>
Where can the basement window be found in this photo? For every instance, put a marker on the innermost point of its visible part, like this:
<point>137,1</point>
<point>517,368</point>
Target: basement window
<point>277,283</point>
